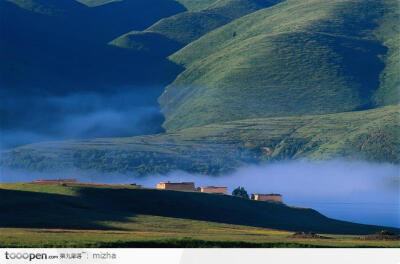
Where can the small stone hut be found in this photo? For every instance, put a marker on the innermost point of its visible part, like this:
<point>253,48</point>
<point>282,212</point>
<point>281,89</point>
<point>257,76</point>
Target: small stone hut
<point>214,189</point>
<point>272,197</point>
<point>176,186</point>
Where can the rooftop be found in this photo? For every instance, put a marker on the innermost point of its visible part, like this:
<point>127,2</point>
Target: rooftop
<point>269,194</point>
<point>168,182</point>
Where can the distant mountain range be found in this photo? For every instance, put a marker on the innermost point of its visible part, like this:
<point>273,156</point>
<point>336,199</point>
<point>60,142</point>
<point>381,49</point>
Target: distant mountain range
<point>237,81</point>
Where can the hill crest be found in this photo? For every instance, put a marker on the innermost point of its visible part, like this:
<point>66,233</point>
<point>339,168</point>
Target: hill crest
<point>281,61</point>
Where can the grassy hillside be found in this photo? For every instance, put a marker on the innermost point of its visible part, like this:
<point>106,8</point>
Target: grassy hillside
<point>388,33</point>
<point>371,135</point>
<point>295,58</point>
<point>264,81</point>
<point>89,207</point>
<point>185,27</point>
<point>150,42</point>
<point>196,5</point>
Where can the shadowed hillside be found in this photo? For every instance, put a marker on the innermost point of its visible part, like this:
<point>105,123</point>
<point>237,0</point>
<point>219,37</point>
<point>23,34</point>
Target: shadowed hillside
<point>85,207</point>
<point>57,49</point>
<point>297,57</point>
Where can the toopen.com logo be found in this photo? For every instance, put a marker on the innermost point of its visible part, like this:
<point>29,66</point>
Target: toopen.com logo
<point>25,256</point>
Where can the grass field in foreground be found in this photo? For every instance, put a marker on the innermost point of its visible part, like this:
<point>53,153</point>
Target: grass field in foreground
<point>156,231</point>
<point>34,215</point>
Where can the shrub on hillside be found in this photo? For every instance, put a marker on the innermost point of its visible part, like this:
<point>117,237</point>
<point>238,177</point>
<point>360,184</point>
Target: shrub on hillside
<point>240,192</point>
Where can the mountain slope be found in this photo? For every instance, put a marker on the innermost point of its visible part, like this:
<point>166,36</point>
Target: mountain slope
<point>295,58</point>
<point>372,135</point>
<point>183,28</point>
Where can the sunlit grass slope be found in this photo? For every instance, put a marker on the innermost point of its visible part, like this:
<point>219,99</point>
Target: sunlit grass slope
<point>150,232</point>
<point>297,57</point>
<point>371,135</point>
<point>183,28</point>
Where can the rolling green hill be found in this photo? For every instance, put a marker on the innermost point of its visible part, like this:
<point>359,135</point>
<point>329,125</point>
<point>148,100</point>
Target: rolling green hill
<point>183,28</point>
<point>295,58</point>
<point>97,207</point>
<point>371,135</point>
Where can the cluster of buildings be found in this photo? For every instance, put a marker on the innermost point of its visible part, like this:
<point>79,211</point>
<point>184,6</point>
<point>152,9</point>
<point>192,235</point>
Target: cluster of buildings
<point>190,186</point>
<point>184,186</point>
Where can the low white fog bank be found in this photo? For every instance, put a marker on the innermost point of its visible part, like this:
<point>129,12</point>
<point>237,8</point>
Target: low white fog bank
<point>80,115</point>
<point>354,191</point>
